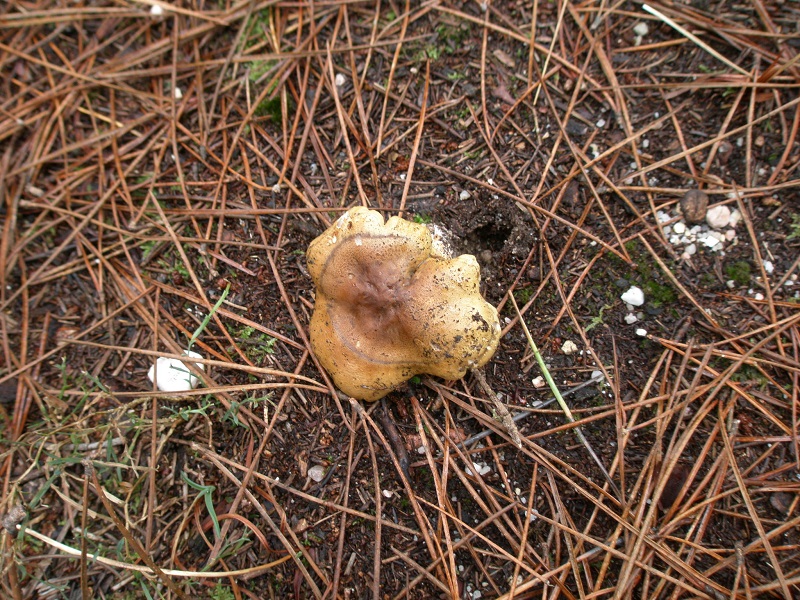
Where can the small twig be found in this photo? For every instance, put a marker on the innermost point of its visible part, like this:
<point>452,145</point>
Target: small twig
<point>522,415</point>
<point>505,418</point>
<point>394,437</point>
<point>117,564</point>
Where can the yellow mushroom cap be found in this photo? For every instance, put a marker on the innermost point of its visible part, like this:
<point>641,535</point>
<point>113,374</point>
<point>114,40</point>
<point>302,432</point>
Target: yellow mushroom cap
<point>390,305</point>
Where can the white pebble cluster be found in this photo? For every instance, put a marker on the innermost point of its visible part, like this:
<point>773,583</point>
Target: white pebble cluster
<point>718,231</point>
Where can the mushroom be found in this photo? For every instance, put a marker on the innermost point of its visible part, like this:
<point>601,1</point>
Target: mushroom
<point>391,303</point>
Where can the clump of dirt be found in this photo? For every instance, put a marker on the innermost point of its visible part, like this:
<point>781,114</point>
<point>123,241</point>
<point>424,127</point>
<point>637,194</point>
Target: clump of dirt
<point>499,233</point>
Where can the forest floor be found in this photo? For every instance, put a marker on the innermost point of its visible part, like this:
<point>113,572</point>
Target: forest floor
<point>163,168</point>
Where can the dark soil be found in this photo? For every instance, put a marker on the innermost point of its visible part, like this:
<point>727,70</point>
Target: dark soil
<point>138,221</point>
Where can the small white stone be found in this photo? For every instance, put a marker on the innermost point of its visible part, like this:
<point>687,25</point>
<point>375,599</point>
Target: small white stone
<point>178,93</point>
<point>630,318</point>
<point>421,450</point>
<point>340,79</point>
<point>641,332</point>
<point>464,195</point>
<point>483,468</point>
<point>387,493</point>
<point>317,473</point>
<point>156,10</point>
<point>538,382</point>
<point>173,375</point>
<point>730,235</point>
<point>690,249</point>
<point>641,29</point>
<point>569,347</point>
<point>634,296</point>
<point>718,217</point>
<point>736,216</point>
<point>276,189</point>
<point>597,376</point>
<point>758,296</point>
<point>679,227</point>
<point>731,284</point>
<point>601,123</point>
<point>710,241</point>
<point>768,267</point>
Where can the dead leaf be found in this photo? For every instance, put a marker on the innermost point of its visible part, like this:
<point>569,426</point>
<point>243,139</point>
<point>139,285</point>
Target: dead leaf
<point>302,463</point>
<point>504,58</point>
<point>501,92</point>
<point>457,435</point>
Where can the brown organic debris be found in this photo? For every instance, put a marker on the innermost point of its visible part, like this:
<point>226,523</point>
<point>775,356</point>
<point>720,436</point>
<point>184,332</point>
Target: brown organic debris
<point>694,205</point>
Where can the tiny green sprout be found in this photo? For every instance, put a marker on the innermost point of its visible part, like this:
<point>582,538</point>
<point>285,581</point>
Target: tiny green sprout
<point>208,317</point>
<point>422,218</point>
<point>232,414</point>
<point>147,248</point>
<point>598,320</point>
<point>221,592</point>
<point>206,493</point>
<point>795,227</point>
<point>178,267</point>
<point>186,413</point>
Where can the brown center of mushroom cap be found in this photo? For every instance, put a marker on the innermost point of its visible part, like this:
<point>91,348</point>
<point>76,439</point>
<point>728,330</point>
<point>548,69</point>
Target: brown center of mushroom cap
<point>368,280</point>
